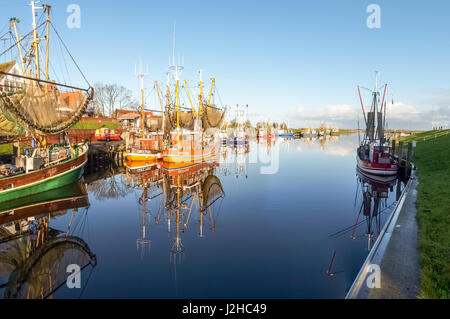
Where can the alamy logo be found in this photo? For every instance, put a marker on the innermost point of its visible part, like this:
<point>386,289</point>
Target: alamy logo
<point>74,279</point>
<point>74,19</point>
<point>374,278</point>
<point>374,19</point>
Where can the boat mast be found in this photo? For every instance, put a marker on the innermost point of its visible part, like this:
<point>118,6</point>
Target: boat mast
<point>176,69</point>
<point>35,37</point>
<point>189,95</point>
<point>47,8</point>
<point>201,93</point>
<point>211,92</point>
<point>141,76</point>
<point>12,22</point>
<point>168,89</point>
<point>143,241</point>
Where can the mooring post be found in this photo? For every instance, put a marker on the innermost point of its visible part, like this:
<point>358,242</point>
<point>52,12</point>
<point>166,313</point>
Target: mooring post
<point>408,158</point>
<point>329,271</point>
<point>400,152</point>
<point>393,147</point>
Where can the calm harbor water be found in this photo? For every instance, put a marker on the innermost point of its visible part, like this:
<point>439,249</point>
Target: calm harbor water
<point>263,221</point>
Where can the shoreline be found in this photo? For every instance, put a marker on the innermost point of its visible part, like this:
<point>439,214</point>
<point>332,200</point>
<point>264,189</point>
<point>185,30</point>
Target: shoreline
<point>414,259</point>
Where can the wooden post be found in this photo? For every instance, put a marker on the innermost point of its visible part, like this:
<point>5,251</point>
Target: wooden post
<point>408,157</point>
<point>400,152</point>
<point>16,149</point>
<point>393,147</point>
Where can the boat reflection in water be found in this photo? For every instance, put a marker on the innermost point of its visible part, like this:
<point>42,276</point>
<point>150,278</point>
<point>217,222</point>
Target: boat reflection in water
<point>183,190</point>
<point>241,152</point>
<point>237,154</point>
<point>33,256</point>
<point>375,192</point>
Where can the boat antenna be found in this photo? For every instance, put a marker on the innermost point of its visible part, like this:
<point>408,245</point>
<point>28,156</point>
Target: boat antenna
<point>173,66</point>
<point>141,76</point>
<point>173,40</point>
<point>377,74</point>
<point>35,35</point>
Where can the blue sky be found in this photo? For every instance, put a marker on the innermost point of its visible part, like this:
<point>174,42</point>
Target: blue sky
<point>296,60</point>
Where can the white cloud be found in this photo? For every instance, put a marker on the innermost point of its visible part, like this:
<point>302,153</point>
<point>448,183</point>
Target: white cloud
<point>398,115</point>
<point>338,114</point>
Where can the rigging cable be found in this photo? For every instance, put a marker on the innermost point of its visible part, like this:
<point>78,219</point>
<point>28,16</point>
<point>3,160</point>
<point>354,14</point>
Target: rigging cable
<point>82,74</point>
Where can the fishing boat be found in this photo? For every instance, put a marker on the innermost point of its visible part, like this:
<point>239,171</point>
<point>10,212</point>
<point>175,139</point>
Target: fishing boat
<point>285,134</point>
<point>223,137</point>
<point>264,134</point>
<point>34,106</point>
<point>149,149</point>
<point>239,136</point>
<point>150,144</point>
<point>328,130</point>
<point>374,156</point>
<point>189,141</point>
<point>322,130</point>
<point>309,132</point>
<point>189,147</point>
<point>41,171</point>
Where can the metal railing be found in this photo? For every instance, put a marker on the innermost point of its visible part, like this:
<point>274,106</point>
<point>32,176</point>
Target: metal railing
<point>433,136</point>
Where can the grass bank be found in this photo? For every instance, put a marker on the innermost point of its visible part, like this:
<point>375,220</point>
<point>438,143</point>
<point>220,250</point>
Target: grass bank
<point>432,158</point>
<point>94,125</point>
<point>6,149</point>
<point>424,136</point>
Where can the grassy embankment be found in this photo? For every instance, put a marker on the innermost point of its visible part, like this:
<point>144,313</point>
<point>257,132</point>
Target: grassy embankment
<point>341,131</point>
<point>82,125</point>
<point>6,149</point>
<point>432,158</point>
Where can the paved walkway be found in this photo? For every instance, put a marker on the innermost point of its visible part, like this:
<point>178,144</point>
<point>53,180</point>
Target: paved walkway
<point>400,268</point>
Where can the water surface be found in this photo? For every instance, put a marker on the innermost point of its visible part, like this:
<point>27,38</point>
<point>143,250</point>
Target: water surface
<point>221,229</point>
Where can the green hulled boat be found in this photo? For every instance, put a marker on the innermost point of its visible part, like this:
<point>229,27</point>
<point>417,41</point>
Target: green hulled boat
<point>32,106</point>
<point>50,177</point>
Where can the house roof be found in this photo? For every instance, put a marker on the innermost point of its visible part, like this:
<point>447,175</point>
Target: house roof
<point>5,67</point>
<point>70,99</point>
<point>121,113</point>
<point>128,117</point>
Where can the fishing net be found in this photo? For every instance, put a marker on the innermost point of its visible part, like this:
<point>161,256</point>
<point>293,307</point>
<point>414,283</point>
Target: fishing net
<point>46,268</point>
<point>186,119</point>
<point>10,127</point>
<point>212,116</point>
<point>154,124</point>
<point>212,190</point>
<point>28,103</point>
<point>48,108</point>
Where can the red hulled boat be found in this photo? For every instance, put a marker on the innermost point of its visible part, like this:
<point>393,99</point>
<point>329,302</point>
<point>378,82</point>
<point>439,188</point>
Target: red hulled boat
<point>374,156</point>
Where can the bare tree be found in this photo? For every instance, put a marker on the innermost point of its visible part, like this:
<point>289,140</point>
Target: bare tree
<point>109,97</point>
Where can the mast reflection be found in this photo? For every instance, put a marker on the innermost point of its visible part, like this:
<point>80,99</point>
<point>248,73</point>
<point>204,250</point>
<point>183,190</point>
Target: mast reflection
<point>375,192</point>
<point>183,191</point>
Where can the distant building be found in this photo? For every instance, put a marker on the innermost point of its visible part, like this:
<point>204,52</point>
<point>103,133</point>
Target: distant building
<point>11,83</point>
<point>70,101</point>
<point>131,119</point>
